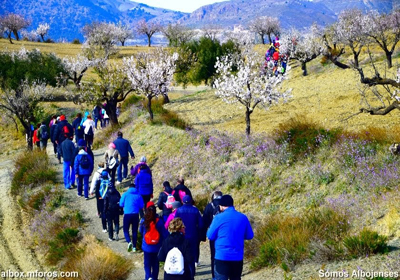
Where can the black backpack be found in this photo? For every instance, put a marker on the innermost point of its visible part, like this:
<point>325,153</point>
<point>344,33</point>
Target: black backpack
<point>84,163</point>
<point>216,210</point>
<point>44,135</point>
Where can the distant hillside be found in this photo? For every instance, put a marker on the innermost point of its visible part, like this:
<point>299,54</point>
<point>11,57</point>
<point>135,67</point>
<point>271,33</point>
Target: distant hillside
<point>298,13</point>
<point>67,17</point>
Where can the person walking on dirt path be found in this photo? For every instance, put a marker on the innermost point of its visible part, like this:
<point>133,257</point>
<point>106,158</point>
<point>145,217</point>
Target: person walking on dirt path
<point>43,135</point>
<point>144,183</point>
<point>229,229</point>
<point>83,168</point>
<point>52,121</point>
<point>211,210</point>
<point>77,125</point>
<point>53,136</point>
<point>181,190</point>
<point>124,148</point>
<point>88,125</point>
<point>165,200</point>
<point>111,209</point>
<point>135,170</point>
<point>62,131</point>
<point>177,239</point>
<point>95,189</point>
<point>175,206</point>
<point>132,203</point>
<point>97,116</point>
<point>82,143</point>
<point>193,222</point>
<point>35,138</point>
<point>67,153</point>
<point>112,160</point>
<point>150,225</point>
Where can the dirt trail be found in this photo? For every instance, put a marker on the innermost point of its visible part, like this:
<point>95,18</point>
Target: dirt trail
<point>15,254</point>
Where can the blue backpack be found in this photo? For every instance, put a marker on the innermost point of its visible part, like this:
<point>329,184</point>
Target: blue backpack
<point>104,184</point>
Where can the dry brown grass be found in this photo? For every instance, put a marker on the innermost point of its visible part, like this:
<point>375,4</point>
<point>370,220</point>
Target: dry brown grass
<point>97,262</point>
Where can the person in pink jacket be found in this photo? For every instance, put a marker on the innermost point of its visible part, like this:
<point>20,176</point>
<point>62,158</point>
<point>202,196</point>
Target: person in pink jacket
<point>175,206</point>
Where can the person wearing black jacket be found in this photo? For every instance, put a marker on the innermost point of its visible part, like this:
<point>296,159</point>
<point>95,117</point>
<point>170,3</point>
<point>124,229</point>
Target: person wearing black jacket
<point>111,209</point>
<point>162,199</point>
<point>181,188</point>
<point>177,239</point>
<point>78,128</point>
<point>52,136</point>
<point>210,211</point>
<point>62,131</point>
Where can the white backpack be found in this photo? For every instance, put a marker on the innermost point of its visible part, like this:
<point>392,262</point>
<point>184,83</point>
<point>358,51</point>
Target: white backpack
<point>174,262</point>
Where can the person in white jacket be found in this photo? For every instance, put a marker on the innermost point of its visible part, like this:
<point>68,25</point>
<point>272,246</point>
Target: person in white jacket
<point>89,130</point>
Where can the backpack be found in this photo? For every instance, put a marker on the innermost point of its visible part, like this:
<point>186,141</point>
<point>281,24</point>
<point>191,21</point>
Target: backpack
<point>216,210</point>
<point>181,194</point>
<point>104,183</point>
<point>45,134</point>
<point>90,131</point>
<point>170,199</point>
<point>174,263</point>
<point>66,131</point>
<point>84,163</point>
<point>152,236</point>
<point>112,161</point>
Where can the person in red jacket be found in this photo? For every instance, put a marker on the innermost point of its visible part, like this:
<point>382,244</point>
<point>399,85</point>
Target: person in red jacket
<point>35,138</point>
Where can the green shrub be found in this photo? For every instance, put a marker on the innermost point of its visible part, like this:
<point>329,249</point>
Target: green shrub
<point>305,137</point>
<point>62,245</point>
<point>32,169</point>
<point>131,100</point>
<point>366,243</point>
<point>288,240</point>
<point>76,42</point>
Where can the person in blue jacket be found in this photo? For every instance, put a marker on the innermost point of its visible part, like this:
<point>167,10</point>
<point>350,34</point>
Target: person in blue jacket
<point>229,229</point>
<point>132,203</point>
<point>144,183</point>
<point>124,149</point>
<point>83,166</point>
<point>193,222</point>
<point>151,263</point>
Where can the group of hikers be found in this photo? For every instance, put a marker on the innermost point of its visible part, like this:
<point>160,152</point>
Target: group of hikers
<point>173,236</point>
<point>275,62</point>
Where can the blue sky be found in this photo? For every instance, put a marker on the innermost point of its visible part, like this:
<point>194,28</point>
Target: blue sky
<point>187,6</point>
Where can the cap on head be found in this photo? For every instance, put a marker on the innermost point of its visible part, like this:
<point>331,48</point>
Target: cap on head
<point>187,199</point>
<point>81,143</point>
<point>143,159</point>
<point>104,174</point>
<point>111,145</point>
<point>62,118</point>
<point>150,203</point>
<point>226,200</point>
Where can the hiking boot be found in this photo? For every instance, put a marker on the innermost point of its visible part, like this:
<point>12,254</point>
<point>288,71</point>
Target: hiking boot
<point>86,198</point>
<point>110,239</point>
<point>105,230</point>
<point>59,161</point>
<point>116,237</point>
<point>134,249</point>
<point>130,247</point>
<point>79,195</point>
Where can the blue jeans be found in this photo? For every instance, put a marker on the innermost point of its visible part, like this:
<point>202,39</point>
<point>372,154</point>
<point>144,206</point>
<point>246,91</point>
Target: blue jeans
<point>225,270</point>
<point>68,174</point>
<point>85,180</point>
<point>151,265</point>
<point>131,219</point>
<point>123,163</point>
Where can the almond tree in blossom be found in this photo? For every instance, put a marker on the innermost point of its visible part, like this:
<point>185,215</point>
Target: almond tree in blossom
<point>302,46</point>
<point>122,33</point>
<point>385,31</point>
<point>240,81</point>
<point>77,66</point>
<point>12,24</point>
<point>148,29</point>
<point>151,73</point>
<point>265,26</point>
<point>100,41</point>
<point>42,30</point>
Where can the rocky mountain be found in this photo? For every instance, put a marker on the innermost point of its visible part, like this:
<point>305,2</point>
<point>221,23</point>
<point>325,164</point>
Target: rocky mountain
<point>67,17</point>
<point>298,13</point>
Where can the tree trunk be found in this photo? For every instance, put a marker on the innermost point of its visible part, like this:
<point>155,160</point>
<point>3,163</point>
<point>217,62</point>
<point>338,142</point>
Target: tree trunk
<point>42,37</point>
<point>111,109</point>
<point>16,35</point>
<point>262,39</point>
<point>248,112</point>
<point>304,68</point>
<point>269,38</point>
<point>9,37</point>
<point>149,40</point>
<point>149,107</point>
<point>29,136</point>
<point>356,63</point>
<point>389,58</point>
<point>166,98</point>
<point>123,43</point>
